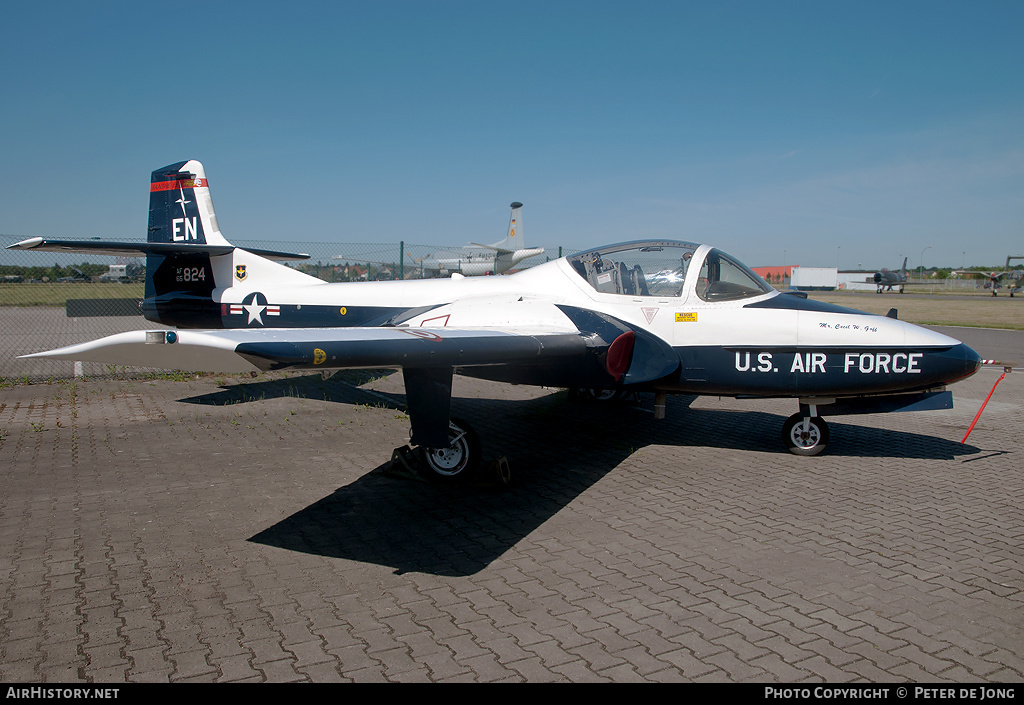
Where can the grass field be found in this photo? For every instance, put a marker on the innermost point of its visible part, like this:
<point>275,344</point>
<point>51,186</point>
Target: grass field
<point>57,294</point>
<point>979,310</point>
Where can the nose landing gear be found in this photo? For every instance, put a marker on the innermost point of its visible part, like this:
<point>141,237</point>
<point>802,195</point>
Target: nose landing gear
<point>805,435</point>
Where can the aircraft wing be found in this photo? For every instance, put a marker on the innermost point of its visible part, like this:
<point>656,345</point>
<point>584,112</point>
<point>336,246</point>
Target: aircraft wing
<point>246,350</point>
<point>594,349</point>
<point>990,275</point>
<point>599,351</point>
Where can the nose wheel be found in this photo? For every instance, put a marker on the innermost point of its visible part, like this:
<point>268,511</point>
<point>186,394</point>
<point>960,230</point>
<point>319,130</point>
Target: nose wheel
<point>596,394</point>
<point>805,435</point>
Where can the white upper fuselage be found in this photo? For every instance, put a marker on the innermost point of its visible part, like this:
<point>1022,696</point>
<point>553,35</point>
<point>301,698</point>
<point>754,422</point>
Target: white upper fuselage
<point>686,318</point>
<point>731,332</point>
<point>529,298</point>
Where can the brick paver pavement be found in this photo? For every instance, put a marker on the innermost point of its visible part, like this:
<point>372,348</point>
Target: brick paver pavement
<point>229,529</point>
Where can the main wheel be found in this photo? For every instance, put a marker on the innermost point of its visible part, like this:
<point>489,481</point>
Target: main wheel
<point>805,442</point>
<point>459,459</point>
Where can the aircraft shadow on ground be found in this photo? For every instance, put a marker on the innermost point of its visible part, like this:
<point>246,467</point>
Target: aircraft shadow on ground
<point>341,387</point>
<point>620,422</point>
<point>557,449</point>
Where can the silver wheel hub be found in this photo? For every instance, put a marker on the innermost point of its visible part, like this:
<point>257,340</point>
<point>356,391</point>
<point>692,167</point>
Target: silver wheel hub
<point>805,439</point>
<point>446,458</point>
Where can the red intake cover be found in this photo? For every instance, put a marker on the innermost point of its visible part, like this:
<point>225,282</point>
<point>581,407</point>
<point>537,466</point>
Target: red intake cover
<point>619,353</point>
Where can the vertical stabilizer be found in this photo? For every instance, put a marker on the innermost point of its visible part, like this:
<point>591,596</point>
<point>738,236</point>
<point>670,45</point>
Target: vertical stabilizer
<point>180,284</point>
<point>180,206</point>
<point>511,251</point>
<point>514,237</point>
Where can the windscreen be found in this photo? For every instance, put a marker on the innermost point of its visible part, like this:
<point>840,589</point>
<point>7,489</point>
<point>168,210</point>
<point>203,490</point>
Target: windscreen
<point>638,269</point>
<point>724,279</point>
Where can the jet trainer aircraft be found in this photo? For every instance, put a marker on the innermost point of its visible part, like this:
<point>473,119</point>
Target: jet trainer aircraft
<point>886,279</point>
<point>666,317</point>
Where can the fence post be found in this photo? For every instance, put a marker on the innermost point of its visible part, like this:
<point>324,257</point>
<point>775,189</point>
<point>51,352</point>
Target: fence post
<point>401,259</point>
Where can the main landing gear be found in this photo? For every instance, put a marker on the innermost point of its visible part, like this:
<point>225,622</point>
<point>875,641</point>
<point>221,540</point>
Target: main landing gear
<point>805,435</point>
<point>459,460</point>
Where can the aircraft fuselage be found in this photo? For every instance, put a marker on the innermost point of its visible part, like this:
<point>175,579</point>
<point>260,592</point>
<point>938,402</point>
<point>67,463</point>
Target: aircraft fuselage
<point>661,316</point>
<point>771,344</point>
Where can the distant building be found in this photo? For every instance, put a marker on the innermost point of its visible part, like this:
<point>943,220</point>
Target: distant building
<point>819,278</point>
<point>803,278</point>
<point>814,279</point>
<point>774,275</point>
<point>857,280</point>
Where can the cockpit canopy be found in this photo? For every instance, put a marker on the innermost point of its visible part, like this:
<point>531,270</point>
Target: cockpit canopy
<point>662,269</point>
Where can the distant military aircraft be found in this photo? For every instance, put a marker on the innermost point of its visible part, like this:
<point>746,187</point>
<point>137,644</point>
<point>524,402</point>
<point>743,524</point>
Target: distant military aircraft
<point>78,276</point>
<point>507,252</point>
<point>887,279</point>
<point>666,317</point>
<point>498,258</point>
<point>488,259</point>
<point>995,277</point>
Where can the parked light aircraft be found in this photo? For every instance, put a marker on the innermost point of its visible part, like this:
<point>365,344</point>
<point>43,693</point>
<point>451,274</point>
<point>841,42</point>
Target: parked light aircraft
<point>995,277</point>
<point>661,316</point>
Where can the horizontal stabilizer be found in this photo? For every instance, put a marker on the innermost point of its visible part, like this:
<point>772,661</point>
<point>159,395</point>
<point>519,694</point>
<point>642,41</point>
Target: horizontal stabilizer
<point>137,249</point>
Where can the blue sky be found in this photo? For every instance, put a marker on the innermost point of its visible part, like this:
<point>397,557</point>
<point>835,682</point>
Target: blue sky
<point>815,133</point>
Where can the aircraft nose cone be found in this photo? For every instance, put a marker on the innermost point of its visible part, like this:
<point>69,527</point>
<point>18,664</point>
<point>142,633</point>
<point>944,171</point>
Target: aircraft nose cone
<point>969,360</point>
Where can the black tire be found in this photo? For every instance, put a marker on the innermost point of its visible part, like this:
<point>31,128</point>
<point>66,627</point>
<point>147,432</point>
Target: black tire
<point>798,442</point>
<point>601,395</point>
<point>459,460</point>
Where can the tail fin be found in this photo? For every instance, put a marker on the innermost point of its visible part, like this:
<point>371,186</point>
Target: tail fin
<point>180,281</point>
<point>510,251</point>
<point>191,257</point>
<point>186,255</point>
<point>180,206</point>
<point>514,228</point>
<point>514,235</point>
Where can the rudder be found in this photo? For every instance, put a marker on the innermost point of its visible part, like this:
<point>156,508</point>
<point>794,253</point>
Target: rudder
<point>180,283</point>
<point>181,208</point>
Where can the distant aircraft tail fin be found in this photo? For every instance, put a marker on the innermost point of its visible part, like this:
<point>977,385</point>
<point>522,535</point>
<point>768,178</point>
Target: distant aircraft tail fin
<point>513,236</point>
<point>903,269</point>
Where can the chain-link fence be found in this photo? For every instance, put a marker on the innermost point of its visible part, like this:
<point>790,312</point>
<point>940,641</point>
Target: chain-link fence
<point>52,299</point>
